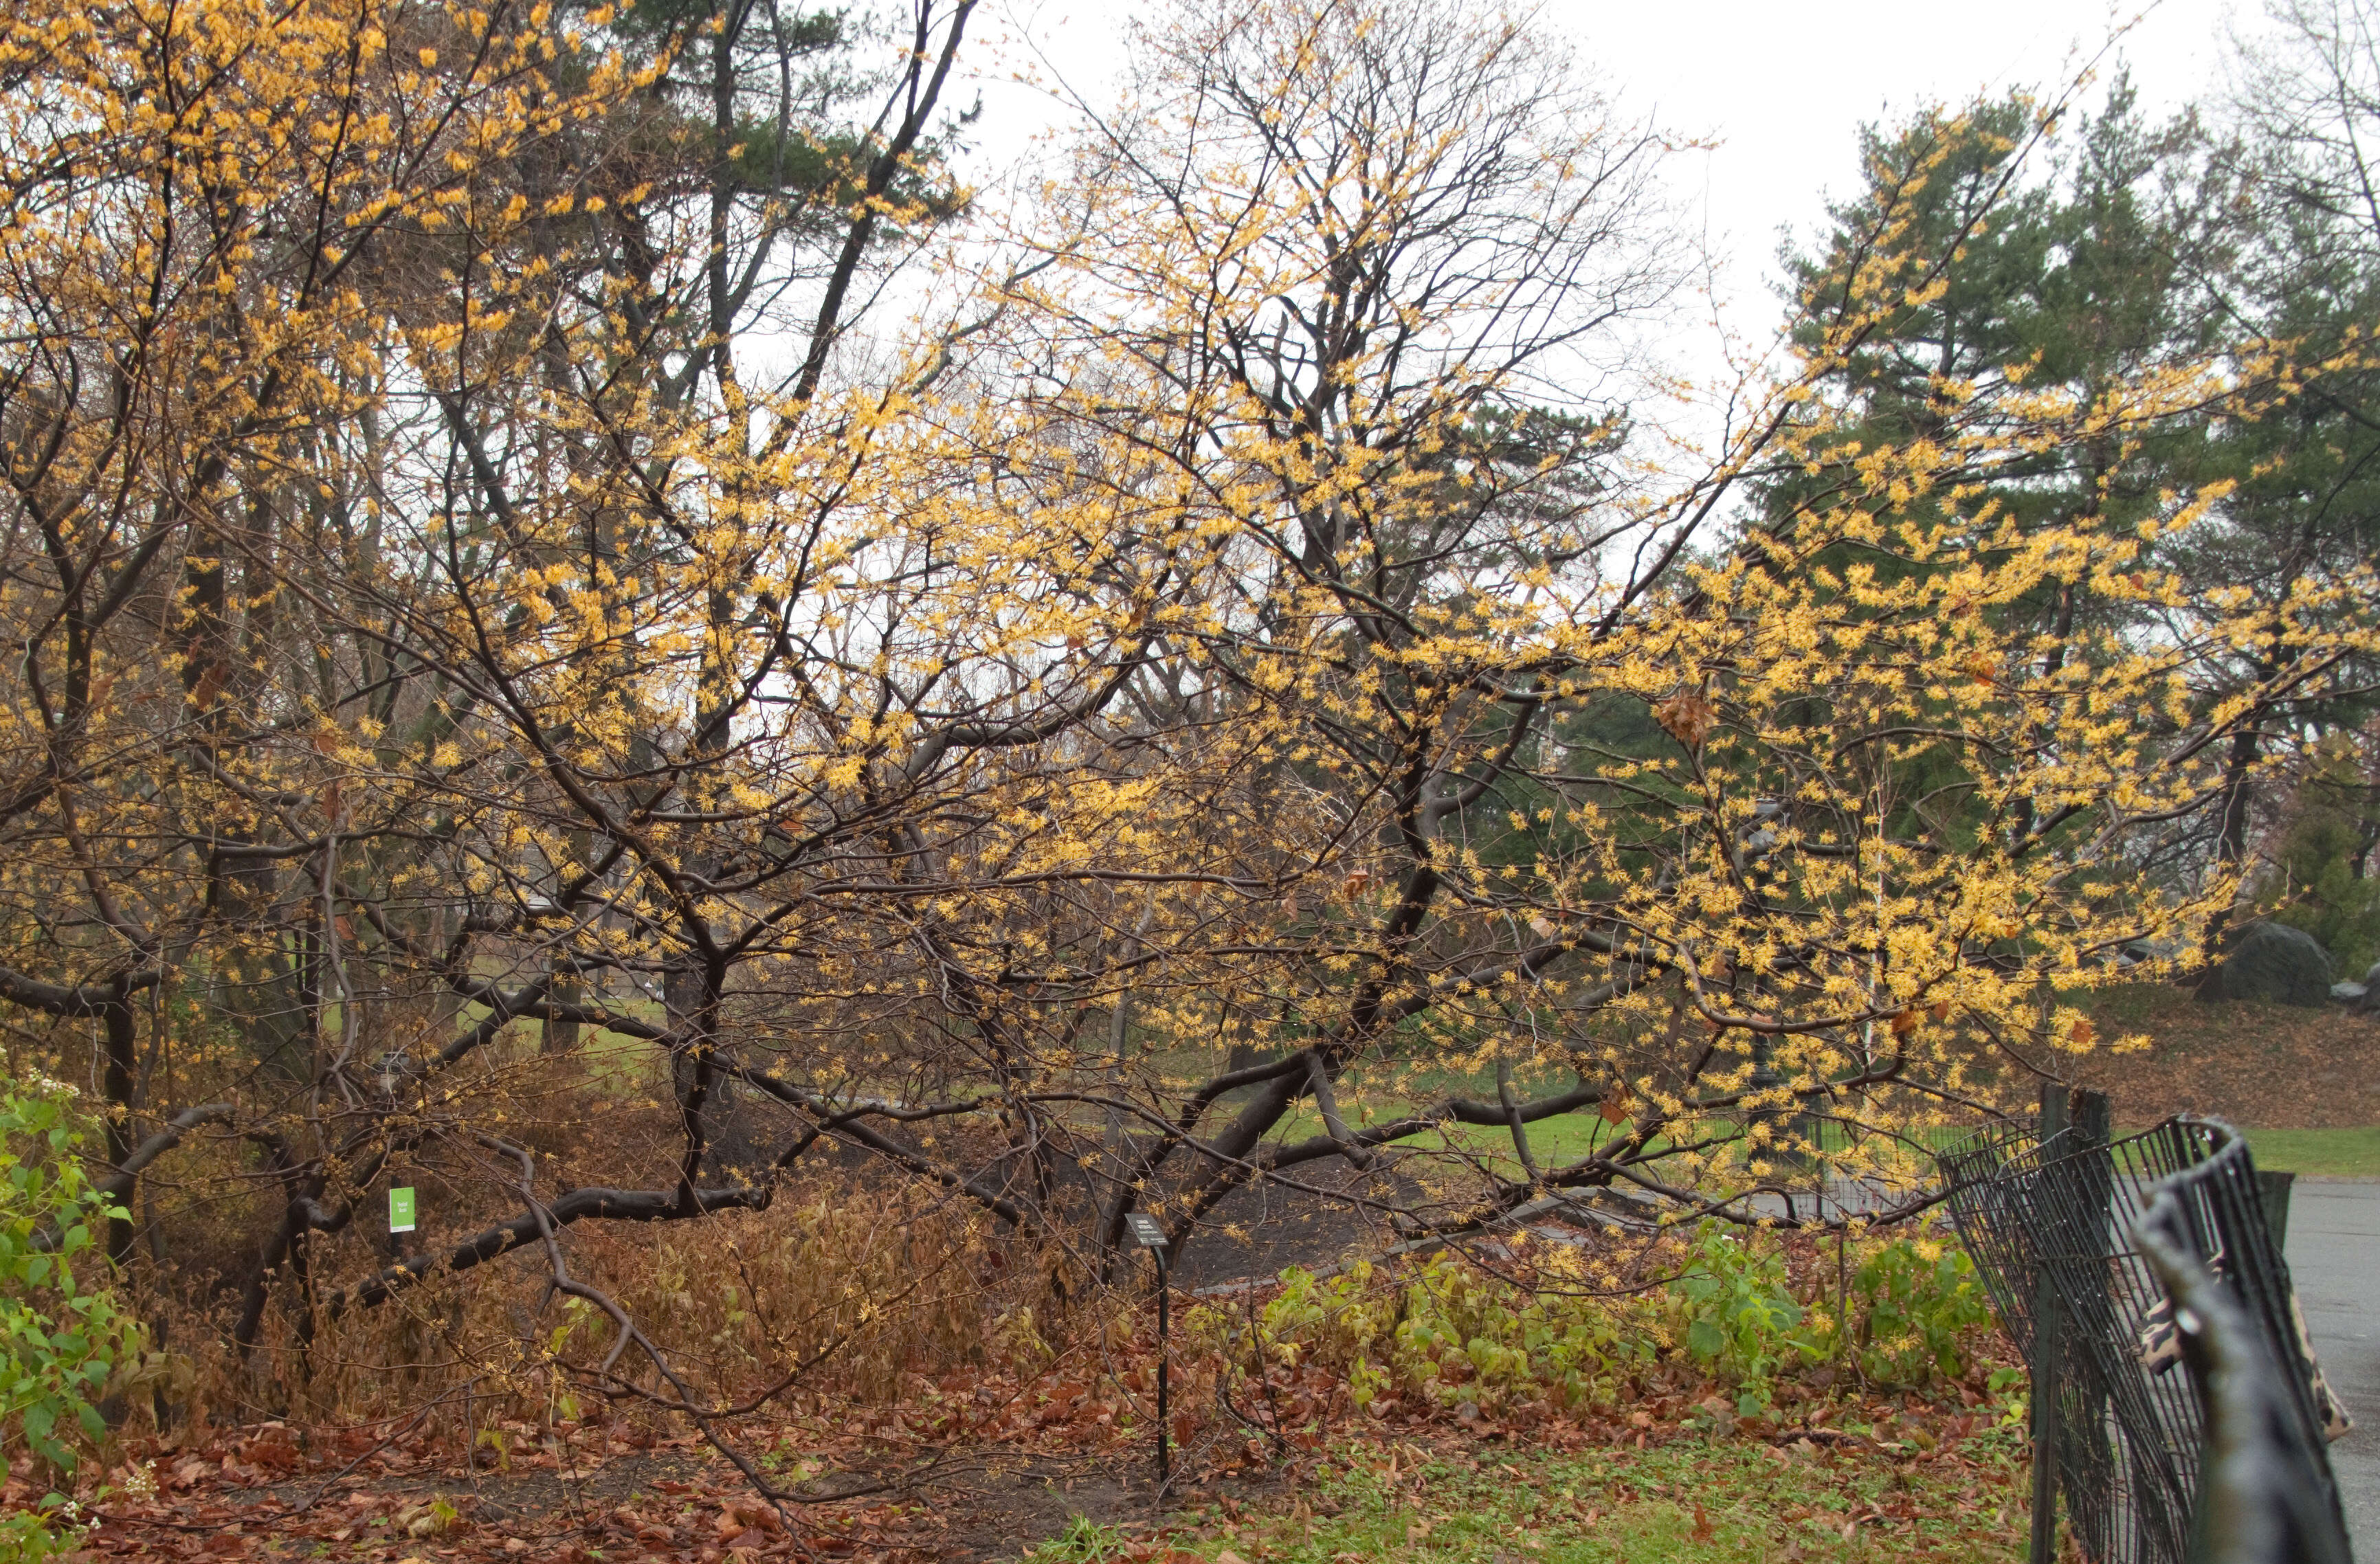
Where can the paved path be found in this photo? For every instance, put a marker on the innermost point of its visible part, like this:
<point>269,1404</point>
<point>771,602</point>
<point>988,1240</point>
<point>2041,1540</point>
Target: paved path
<point>2335,1259</point>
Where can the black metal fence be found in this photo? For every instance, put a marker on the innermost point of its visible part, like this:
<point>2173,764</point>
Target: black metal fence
<point>2142,1272</point>
<point>2266,1494</point>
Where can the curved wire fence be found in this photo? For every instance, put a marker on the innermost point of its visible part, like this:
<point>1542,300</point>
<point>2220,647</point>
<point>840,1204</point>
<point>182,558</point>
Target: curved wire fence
<point>2266,1496</point>
<point>2056,1224</point>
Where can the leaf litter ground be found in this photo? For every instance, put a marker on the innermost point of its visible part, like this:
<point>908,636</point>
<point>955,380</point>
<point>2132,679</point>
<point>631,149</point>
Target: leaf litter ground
<point>1056,1466</point>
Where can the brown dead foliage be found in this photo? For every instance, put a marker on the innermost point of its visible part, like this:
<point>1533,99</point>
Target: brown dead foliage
<point>971,1462</point>
<point>2267,1067</point>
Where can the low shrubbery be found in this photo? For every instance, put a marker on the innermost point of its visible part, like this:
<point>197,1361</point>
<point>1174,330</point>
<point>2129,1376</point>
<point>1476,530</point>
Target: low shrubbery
<point>836,1291</point>
<point>62,1335</point>
<point>1735,1309</point>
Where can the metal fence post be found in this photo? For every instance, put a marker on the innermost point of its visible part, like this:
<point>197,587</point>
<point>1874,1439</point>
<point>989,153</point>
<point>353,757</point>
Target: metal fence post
<point>2273,1190</point>
<point>2047,1319</point>
<point>2167,1436</point>
<point>2086,1306</point>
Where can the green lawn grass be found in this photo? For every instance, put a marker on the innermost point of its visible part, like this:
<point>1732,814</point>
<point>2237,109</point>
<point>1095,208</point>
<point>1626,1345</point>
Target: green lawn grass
<point>2313,1154</point>
<point>1693,1502</point>
<point>2336,1153</point>
<point>1375,1091</point>
<point>613,1060</point>
<point>2328,1154</point>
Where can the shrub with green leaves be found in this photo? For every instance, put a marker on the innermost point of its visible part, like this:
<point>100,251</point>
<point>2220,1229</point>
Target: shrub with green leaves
<point>1733,1308</point>
<point>1919,1303</point>
<point>1446,1333</point>
<point>1910,1309</point>
<point>1440,1331</point>
<point>61,1329</point>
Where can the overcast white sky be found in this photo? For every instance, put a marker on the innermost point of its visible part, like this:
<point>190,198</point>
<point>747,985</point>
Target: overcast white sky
<point>1780,87</point>
<point>1783,87</point>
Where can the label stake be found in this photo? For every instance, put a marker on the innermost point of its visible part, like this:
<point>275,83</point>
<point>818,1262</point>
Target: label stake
<point>1150,1236</point>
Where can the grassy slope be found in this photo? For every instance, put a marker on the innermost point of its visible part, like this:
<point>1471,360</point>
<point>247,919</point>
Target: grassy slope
<point>2264,1067</point>
<point>2304,1084</point>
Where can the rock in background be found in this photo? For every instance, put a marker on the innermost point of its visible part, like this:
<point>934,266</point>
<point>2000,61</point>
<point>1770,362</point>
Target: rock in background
<point>2274,962</point>
<point>2363,998</point>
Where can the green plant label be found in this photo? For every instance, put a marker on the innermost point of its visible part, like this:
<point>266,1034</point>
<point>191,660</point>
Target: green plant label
<point>400,1211</point>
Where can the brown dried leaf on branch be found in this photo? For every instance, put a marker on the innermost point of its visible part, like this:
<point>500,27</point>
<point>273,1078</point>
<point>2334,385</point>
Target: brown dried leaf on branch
<point>1687,717</point>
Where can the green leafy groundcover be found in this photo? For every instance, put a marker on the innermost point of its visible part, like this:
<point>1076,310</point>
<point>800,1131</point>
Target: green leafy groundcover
<point>61,1339</point>
<point>1860,1496</point>
<point>1444,1335</point>
<point>1756,1398</point>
